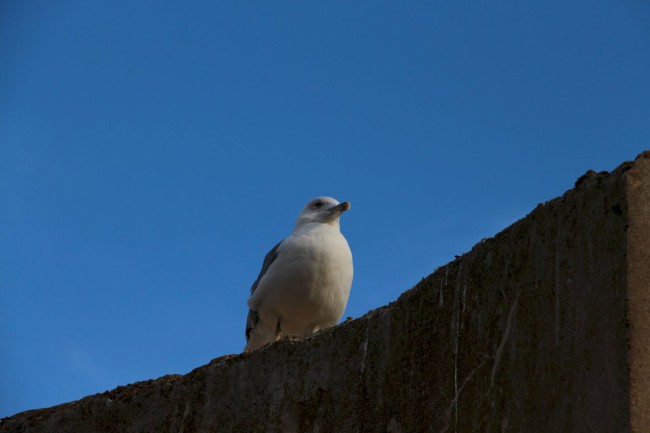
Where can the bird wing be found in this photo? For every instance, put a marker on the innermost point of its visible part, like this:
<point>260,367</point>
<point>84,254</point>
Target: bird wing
<point>268,261</point>
<point>270,257</point>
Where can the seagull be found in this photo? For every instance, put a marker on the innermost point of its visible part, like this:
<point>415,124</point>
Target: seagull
<point>305,279</point>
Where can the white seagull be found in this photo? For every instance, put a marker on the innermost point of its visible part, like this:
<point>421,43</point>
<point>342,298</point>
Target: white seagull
<point>305,280</point>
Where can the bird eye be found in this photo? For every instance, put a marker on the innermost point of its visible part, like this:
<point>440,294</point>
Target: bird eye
<point>317,205</point>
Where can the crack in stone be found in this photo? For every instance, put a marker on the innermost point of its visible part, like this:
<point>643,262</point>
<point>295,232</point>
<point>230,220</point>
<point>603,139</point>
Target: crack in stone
<point>504,338</point>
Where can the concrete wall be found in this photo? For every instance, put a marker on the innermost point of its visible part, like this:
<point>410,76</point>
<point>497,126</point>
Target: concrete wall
<point>543,328</point>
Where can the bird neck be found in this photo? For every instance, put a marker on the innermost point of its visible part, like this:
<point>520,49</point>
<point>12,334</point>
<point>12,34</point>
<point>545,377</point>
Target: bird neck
<point>302,225</point>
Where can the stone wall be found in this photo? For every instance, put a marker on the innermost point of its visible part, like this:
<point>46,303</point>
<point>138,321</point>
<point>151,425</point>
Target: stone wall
<point>543,328</point>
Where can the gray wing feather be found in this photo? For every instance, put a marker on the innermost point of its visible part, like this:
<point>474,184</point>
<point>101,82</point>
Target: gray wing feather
<point>268,261</point>
<point>270,257</point>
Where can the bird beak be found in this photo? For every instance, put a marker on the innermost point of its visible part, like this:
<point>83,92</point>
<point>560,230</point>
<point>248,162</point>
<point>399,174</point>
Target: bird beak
<point>340,208</point>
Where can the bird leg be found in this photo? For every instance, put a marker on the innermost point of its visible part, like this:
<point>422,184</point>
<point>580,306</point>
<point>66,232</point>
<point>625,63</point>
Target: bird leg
<point>278,331</point>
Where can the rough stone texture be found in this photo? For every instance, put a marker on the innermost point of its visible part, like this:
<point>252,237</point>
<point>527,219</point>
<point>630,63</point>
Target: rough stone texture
<point>638,288</point>
<point>543,328</point>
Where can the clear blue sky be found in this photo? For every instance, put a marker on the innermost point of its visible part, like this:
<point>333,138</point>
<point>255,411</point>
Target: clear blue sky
<point>152,152</point>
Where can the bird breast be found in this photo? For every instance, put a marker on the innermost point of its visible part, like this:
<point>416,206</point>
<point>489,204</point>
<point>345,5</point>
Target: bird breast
<point>313,283</point>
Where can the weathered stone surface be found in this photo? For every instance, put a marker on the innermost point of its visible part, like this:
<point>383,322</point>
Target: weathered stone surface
<point>638,291</point>
<point>543,328</point>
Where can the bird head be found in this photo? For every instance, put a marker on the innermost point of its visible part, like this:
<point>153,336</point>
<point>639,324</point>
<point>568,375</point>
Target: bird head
<point>322,210</point>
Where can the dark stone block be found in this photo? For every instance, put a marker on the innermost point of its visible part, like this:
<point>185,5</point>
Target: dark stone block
<point>543,328</point>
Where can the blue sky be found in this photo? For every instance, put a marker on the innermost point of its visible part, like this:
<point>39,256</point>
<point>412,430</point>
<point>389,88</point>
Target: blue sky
<point>152,152</point>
